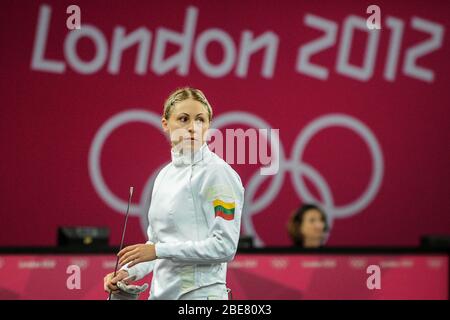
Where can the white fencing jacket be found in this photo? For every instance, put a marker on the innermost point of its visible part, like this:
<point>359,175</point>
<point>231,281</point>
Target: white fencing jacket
<point>194,222</point>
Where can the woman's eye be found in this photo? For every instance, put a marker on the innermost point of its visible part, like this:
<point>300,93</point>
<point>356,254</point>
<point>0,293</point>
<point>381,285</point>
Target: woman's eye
<point>201,120</point>
<point>183,119</point>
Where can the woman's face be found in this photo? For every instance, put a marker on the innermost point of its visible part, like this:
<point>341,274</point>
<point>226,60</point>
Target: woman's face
<point>187,125</point>
<point>312,227</point>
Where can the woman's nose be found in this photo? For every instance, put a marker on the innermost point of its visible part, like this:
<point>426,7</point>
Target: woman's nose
<point>320,226</point>
<point>193,127</point>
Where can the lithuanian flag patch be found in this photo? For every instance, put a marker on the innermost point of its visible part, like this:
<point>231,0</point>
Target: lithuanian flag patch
<point>224,209</point>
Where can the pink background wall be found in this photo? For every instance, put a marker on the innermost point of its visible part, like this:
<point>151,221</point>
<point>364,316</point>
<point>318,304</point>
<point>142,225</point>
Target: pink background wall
<point>260,276</point>
<point>395,94</point>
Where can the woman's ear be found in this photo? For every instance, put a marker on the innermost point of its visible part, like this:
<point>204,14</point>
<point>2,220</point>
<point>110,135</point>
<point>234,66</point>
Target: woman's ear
<point>164,125</point>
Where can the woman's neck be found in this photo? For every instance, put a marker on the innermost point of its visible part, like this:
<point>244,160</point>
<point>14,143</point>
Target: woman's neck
<point>312,242</point>
<point>177,148</point>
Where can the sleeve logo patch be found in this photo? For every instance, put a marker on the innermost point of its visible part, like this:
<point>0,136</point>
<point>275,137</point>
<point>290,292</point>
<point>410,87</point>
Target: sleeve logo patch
<point>224,209</point>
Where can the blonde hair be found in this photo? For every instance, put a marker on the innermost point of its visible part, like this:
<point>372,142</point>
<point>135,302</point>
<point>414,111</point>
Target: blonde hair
<point>182,94</point>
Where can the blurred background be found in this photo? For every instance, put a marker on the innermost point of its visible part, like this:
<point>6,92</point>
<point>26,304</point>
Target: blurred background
<point>363,118</point>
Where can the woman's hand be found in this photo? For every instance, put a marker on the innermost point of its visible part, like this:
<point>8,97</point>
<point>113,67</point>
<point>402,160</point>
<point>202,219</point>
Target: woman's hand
<point>136,254</point>
<point>110,282</point>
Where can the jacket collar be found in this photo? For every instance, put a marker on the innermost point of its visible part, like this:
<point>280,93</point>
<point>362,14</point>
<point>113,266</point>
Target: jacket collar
<point>179,159</point>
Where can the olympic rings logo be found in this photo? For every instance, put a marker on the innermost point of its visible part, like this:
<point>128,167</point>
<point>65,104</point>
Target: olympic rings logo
<point>252,206</point>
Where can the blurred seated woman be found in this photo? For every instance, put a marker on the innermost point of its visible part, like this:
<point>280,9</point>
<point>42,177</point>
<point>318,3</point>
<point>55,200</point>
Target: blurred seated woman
<point>308,226</point>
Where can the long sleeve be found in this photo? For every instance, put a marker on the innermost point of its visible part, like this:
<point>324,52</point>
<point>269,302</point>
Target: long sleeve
<point>140,270</point>
<point>221,198</point>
